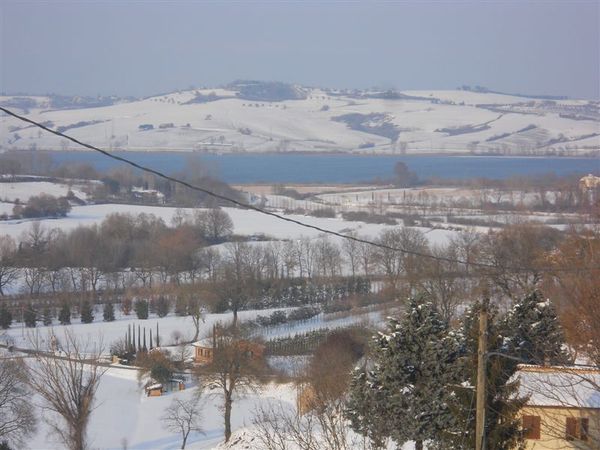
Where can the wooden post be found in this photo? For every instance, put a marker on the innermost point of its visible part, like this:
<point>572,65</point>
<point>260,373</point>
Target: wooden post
<point>481,377</point>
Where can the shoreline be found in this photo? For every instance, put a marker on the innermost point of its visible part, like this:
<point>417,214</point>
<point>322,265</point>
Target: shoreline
<point>350,153</point>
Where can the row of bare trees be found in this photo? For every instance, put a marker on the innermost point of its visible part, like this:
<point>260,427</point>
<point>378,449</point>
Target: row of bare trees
<point>126,251</point>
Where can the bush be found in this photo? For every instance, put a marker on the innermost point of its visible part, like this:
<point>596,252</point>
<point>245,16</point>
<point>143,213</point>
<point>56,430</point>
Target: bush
<point>5,317</point>
<point>303,313</point>
<point>363,216</point>
<point>157,364</point>
<point>43,205</point>
<point>337,307</point>
<point>323,212</point>
<point>141,309</point>
<point>64,316</point>
<point>278,317</point>
<point>87,313</point>
<point>29,316</point>
<point>180,306</point>
<point>162,306</point>
<point>108,313</point>
<point>47,316</point>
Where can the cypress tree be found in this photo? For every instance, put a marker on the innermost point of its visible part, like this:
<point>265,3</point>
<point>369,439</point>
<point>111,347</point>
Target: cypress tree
<point>5,317</point>
<point>108,312</point>
<point>157,336</point>
<point>30,316</point>
<point>133,340</point>
<point>415,362</point>
<point>64,316</point>
<point>87,313</point>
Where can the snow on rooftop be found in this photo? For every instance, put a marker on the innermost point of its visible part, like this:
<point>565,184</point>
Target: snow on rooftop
<point>563,386</point>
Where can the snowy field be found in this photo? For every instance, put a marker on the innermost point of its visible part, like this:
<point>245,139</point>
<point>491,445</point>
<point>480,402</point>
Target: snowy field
<point>125,418</point>
<point>246,222</point>
<point>9,192</point>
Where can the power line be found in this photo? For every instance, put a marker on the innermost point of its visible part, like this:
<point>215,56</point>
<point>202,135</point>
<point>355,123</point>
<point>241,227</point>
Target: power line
<point>270,213</point>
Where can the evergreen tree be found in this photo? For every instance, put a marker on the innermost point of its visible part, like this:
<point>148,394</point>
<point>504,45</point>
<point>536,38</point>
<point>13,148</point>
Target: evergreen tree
<point>141,309</point>
<point>47,316</point>
<point>162,306</point>
<point>64,316</point>
<point>362,402</point>
<point>87,312</point>
<point>108,313</point>
<point>533,332</point>
<point>503,427</point>
<point>180,306</point>
<point>415,363</point>
<point>30,316</point>
<point>5,317</point>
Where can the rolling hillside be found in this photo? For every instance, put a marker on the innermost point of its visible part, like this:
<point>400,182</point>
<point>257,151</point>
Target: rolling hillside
<point>275,117</point>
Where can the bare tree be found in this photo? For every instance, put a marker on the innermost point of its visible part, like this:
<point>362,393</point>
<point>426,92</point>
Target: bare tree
<point>444,281</point>
<point>351,250</point>
<point>398,264</point>
<point>67,384</point>
<point>235,369</point>
<point>17,420</point>
<point>214,224</point>
<point>184,416</point>
<point>8,272</point>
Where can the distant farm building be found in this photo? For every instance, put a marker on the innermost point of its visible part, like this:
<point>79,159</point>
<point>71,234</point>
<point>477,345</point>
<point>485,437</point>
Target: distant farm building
<point>205,349</point>
<point>563,410</point>
<point>589,182</point>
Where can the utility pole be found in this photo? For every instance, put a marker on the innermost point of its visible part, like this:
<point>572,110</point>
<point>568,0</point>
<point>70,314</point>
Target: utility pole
<point>481,377</point>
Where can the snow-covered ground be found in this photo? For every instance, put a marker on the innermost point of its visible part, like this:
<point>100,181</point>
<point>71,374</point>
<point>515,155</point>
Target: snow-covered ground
<point>125,418</point>
<point>9,192</point>
<point>430,121</point>
<point>246,222</point>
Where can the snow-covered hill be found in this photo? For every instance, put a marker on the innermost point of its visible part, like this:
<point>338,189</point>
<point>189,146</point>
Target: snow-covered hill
<point>266,117</point>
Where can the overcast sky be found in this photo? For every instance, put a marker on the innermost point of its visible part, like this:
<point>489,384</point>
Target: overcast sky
<point>143,48</point>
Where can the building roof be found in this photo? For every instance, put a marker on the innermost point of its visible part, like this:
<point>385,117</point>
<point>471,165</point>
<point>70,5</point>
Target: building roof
<point>560,386</point>
<point>206,342</point>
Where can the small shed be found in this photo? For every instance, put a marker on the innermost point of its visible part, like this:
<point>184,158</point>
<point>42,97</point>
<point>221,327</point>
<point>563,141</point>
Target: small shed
<point>154,390</point>
<point>176,384</point>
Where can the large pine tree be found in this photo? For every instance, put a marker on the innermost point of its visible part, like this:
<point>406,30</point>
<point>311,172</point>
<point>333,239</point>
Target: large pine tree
<point>414,367</point>
<point>533,333</point>
<point>503,428</point>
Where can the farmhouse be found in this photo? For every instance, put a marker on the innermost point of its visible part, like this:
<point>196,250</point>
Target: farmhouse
<point>563,410</point>
<point>204,350</point>
<point>589,182</point>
